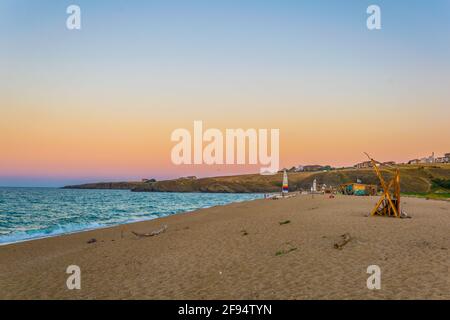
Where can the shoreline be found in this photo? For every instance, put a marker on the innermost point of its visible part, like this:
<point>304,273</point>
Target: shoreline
<point>259,249</point>
<point>158,218</point>
<point>84,231</point>
<point>117,225</point>
<point>153,219</point>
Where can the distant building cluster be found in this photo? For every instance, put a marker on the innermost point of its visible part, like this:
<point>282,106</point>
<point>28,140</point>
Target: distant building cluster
<point>424,160</point>
<point>189,178</point>
<point>368,164</point>
<point>431,159</point>
<point>311,168</point>
<point>363,165</point>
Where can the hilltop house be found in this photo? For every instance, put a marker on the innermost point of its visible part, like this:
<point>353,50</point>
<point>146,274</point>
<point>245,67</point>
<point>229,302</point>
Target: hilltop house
<point>363,165</point>
<point>431,159</point>
<point>414,161</point>
<point>444,159</point>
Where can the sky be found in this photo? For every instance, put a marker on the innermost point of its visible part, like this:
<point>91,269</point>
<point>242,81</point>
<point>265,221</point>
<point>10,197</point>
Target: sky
<point>100,103</point>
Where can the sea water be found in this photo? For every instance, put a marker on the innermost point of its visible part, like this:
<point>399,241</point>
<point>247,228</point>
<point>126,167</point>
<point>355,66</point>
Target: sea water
<point>31,213</point>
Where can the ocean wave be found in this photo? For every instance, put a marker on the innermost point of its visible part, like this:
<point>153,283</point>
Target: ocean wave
<point>31,213</point>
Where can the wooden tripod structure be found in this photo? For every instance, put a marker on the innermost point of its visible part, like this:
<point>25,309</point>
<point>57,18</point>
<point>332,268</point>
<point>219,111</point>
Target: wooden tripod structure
<point>389,203</point>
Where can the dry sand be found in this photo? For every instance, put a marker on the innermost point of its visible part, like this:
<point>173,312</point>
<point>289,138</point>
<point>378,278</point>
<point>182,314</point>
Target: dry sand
<point>230,252</point>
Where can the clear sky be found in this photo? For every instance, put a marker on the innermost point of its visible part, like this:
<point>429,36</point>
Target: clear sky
<point>100,103</point>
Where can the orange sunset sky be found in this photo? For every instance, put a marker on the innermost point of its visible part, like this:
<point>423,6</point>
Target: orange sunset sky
<point>101,103</point>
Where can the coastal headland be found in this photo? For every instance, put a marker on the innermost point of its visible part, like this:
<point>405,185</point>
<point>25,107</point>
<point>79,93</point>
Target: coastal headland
<point>419,179</point>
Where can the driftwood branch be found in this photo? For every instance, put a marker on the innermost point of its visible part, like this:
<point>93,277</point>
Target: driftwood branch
<point>345,239</point>
<point>150,234</point>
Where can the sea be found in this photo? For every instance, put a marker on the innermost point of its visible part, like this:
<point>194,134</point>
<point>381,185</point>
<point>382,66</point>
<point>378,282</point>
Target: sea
<point>32,213</point>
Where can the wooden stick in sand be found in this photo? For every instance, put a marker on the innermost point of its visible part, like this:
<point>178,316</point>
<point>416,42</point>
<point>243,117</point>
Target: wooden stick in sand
<point>150,234</point>
<point>345,239</point>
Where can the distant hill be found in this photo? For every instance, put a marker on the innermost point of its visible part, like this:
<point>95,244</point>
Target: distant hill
<point>106,185</point>
<point>414,179</point>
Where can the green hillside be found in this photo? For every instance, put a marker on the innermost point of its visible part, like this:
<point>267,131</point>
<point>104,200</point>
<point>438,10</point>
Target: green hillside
<point>414,179</point>
<point>430,179</point>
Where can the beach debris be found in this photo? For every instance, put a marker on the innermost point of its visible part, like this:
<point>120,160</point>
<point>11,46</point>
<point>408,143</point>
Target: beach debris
<point>283,196</point>
<point>404,215</point>
<point>93,240</point>
<point>345,238</point>
<point>150,234</point>
<point>244,232</point>
<point>284,222</point>
<point>287,248</point>
<point>284,251</point>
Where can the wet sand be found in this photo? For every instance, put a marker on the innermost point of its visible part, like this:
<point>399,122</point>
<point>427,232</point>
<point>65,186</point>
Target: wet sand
<point>241,251</point>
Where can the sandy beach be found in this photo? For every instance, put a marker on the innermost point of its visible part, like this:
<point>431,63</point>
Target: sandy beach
<point>263,249</point>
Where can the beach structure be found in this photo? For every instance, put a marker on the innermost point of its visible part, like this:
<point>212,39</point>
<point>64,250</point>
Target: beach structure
<point>389,203</point>
<point>329,189</point>
<point>314,186</point>
<point>358,189</point>
<point>285,186</point>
